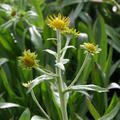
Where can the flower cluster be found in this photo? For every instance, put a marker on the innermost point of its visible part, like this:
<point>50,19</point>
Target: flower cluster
<point>61,23</point>
<point>70,32</point>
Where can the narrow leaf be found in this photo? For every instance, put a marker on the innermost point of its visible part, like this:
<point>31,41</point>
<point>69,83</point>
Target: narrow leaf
<point>90,87</point>
<point>51,39</point>
<point>36,4</point>
<point>36,37</point>
<point>7,25</point>
<point>8,105</point>
<point>114,67</point>
<point>112,113</point>
<point>35,117</point>
<point>51,52</point>
<point>84,93</point>
<point>25,115</point>
<point>6,84</point>
<point>92,109</point>
<point>3,60</point>
<point>38,80</point>
<point>6,7</point>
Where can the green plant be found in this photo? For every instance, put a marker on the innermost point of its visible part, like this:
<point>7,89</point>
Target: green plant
<point>23,27</point>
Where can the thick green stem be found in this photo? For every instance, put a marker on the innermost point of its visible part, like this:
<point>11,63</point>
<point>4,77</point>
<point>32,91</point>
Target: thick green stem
<point>80,71</point>
<point>59,79</point>
<point>36,101</point>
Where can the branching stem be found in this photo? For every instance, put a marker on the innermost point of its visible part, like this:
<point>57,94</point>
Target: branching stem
<point>59,79</point>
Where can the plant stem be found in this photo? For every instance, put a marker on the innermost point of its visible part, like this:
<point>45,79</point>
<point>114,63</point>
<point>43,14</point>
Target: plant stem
<point>36,101</point>
<point>66,44</point>
<point>59,79</point>
<point>80,71</point>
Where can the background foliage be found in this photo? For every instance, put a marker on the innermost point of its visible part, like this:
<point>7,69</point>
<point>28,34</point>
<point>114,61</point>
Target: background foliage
<point>23,26</point>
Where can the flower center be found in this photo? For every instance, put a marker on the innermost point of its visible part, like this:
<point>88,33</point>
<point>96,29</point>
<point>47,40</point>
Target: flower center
<point>28,61</point>
<point>91,48</point>
<point>59,24</point>
<point>13,13</point>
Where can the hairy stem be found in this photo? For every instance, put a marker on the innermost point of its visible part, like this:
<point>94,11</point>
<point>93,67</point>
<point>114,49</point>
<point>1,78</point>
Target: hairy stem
<point>59,79</point>
<point>80,71</point>
<point>66,44</point>
<point>36,101</point>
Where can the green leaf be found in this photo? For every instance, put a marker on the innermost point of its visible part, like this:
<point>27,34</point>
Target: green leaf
<point>112,103</point>
<point>78,117</point>
<point>114,67</point>
<point>76,12</point>
<point>2,61</point>
<point>6,84</point>
<point>92,109</point>
<point>87,19</point>
<point>51,52</point>
<point>5,43</point>
<point>36,37</point>
<point>90,87</point>
<point>7,25</point>
<point>115,37</point>
<point>108,66</point>
<point>49,39</point>
<point>6,7</point>
<point>71,2</point>
<point>101,38</point>
<point>38,80</point>
<point>112,113</point>
<point>36,4</point>
<point>25,115</point>
<point>8,105</point>
<point>35,117</point>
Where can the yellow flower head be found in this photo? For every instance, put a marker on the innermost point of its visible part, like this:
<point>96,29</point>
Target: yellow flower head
<point>91,48</point>
<point>59,22</point>
<point>27,85</point>
<point>28,59</point>
<point>70,32</point>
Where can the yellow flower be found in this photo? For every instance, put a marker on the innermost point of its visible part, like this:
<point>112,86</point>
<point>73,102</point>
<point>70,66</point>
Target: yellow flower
<point>91,48</point>
<point>70,32</point>
<point>27,85</point>
<point>28,59</point>
<point>59,22</point>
